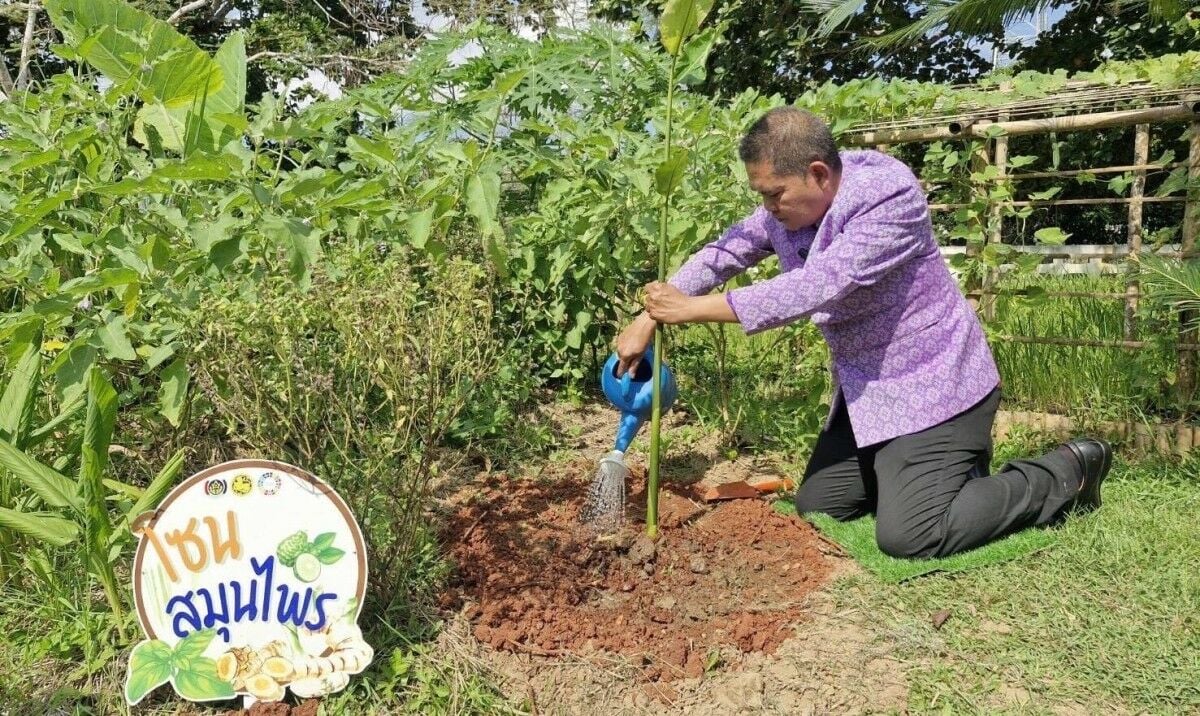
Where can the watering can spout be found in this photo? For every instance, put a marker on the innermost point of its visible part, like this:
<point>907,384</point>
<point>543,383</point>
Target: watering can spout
<point>630,422</point>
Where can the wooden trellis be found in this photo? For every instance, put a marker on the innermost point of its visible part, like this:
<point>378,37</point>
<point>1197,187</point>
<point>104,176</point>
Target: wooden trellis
<point>1077,107</point>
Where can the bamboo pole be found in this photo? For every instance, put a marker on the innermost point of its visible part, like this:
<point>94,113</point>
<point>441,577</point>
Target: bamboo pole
<point>1186,381</point>
<point>1185,111</point>
<point>1055,294</point>
<point>995,225</point>
<point>1074,202</point>
<point>1016,176</point>
<point>1182,348</point>
<point>979,162</point>
<point>1141,154</point>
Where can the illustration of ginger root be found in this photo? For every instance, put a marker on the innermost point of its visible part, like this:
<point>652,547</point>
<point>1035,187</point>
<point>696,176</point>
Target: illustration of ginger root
<point>265,672</point>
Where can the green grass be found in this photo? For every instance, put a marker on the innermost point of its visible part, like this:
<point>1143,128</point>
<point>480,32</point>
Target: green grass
<point>1107,618</point>
<point>1103,383</point>
<point>858,539</point>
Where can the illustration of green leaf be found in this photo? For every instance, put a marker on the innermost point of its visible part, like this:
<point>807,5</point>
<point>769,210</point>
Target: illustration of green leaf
<point>322,541</point>
<point>149,668</point>
<point>200,682</point>
<point>329,555</point>
<point>192,646</point>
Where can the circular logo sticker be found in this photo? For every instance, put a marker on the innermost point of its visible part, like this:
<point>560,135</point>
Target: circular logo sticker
<point>257,596</point>
<point>242,485</point>
<point>269,483</point>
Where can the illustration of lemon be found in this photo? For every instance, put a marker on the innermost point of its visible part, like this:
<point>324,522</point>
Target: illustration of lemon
<point>307,568</point>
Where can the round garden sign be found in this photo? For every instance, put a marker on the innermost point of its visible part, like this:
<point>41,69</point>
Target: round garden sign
<point>248,579</point>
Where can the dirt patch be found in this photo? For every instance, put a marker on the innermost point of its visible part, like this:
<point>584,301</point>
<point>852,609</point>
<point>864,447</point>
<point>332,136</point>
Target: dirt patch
<point>532,581</point>
<point>308,707</point>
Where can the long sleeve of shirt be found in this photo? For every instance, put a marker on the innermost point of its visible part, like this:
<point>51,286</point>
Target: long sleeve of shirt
<point>881,230</point>
<point>743,245</point>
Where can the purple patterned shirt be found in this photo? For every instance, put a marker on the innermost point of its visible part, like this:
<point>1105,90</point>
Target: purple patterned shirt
<point>908,350</point>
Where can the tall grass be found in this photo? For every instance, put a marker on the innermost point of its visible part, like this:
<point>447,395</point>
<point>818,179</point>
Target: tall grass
<point>1105,383</point>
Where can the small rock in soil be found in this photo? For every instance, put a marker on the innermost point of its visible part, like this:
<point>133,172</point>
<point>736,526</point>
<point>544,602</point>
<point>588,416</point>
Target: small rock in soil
<point>698,565</point>
<point>940,617</point>
<point>643,550</point>
<point>648,568</point>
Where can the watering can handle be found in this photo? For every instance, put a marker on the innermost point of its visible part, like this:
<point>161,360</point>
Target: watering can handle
<point>627,384</point>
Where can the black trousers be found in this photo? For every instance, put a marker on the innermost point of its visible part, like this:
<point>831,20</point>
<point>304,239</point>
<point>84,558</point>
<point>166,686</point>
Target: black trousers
<point>931,491</point>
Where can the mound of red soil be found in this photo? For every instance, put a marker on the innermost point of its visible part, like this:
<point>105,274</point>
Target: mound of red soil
<point>533,579</point>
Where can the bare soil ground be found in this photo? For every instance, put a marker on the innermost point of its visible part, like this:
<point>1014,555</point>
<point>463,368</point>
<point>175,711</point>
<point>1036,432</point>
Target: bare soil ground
<point>724,613</point>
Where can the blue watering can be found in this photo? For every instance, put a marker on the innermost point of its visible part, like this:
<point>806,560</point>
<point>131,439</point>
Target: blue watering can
<point>632,394</point>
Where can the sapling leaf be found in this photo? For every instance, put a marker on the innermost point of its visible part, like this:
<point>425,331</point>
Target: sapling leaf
<point>149,668</point>
<point>670,173</point>
<point>680,20</point>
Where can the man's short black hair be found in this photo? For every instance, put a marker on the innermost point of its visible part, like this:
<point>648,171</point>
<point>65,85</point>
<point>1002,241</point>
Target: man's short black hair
<point>791,139</point>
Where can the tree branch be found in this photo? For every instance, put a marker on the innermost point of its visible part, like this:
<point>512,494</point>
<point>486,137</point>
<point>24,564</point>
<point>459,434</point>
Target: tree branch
<point>6,80</point>
<point>27,46</point>
<point>185,10</point>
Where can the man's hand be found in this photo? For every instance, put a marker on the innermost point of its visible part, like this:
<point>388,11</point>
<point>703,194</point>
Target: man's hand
<point>667,304</point>
<point>633,342</point>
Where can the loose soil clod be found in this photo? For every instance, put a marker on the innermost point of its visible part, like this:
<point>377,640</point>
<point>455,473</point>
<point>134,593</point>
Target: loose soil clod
<point>734,576</point>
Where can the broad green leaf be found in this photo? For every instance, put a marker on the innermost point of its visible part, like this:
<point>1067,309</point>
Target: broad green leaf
<point>1051,235</point>
<point>323,540</point>
<point>329,555</point>
<point>54,489</point>
<point>149,668</point>
<point>36,160</point>
<point>483,198</point>
<point>199,682</point>
<point>419,225</point>
<point>113,337</point>
<point>380,153</point>
<point>680,20</point>
<point>172,393</point>
<point>123,43</point>
<point>169,124</point>
<point>20,394</point>
<point>225,109</point>
<point>71,367</point>
<point>104,279</point>
<point>302,243</point>
<point>192,646</point>
<point>43,526</point>
<point>669,173</point>
<point>33,216</point>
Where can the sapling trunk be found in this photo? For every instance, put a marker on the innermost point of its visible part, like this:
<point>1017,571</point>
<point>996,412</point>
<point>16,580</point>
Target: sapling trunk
<point>680,18</point>
<point>656,394</point>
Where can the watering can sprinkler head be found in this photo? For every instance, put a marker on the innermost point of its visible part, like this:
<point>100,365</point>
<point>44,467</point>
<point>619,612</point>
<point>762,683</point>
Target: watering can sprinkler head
<point>633,394</point>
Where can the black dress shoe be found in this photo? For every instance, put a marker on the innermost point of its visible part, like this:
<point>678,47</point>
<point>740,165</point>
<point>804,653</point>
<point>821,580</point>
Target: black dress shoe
<point>1095,459</point>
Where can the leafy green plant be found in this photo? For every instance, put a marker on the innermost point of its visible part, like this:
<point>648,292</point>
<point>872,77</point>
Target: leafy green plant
<point>66,510</point>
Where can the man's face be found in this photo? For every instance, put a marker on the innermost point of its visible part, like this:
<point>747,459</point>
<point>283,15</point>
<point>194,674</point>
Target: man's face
<point>795,201</point>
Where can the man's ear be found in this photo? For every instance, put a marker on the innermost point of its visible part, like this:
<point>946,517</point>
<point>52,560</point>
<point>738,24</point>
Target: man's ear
<point>820,173</point>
